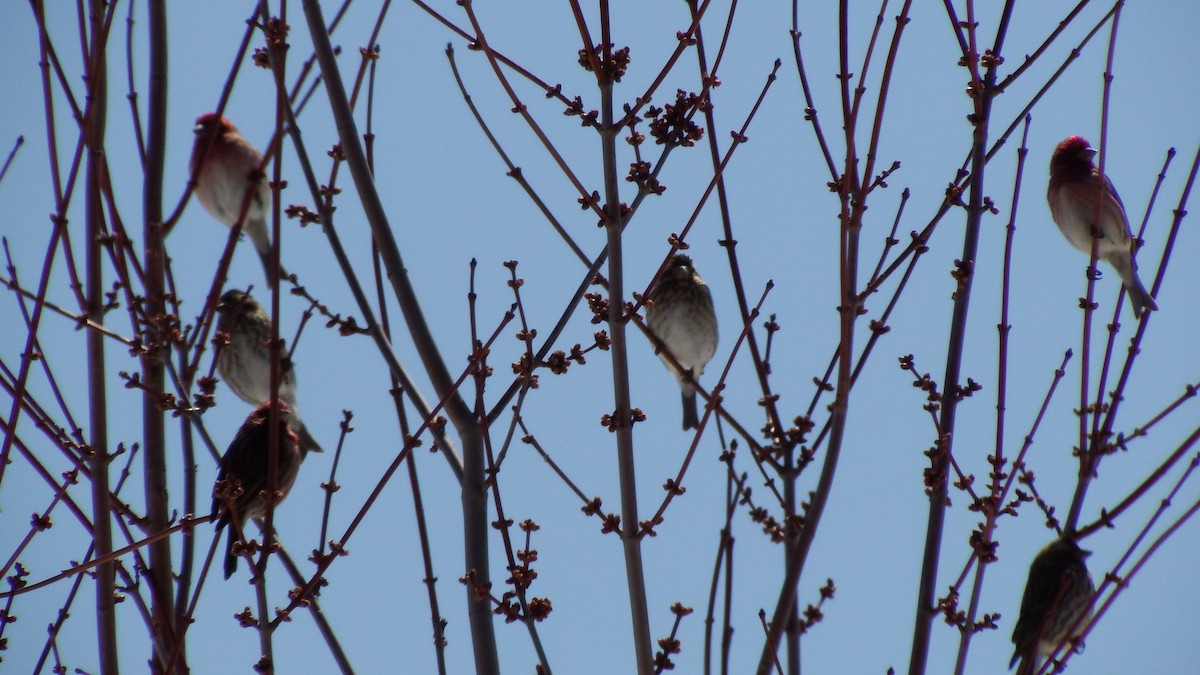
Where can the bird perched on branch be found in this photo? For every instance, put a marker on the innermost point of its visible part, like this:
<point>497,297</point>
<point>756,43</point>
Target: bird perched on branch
<point>681,316</point>
<point>1081,198</point>
<point>240,492</point>
<point>245,363</point>
<point>226,167</point>
<point>1056,604</point>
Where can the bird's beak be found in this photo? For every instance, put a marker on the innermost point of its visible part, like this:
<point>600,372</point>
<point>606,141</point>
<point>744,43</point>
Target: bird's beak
<point>1084,554</point>
<point>1089,153</point>
<point>198,128</point>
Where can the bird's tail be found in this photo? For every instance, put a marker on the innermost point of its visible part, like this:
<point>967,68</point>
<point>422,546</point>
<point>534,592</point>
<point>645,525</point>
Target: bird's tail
<point>230,558</point>
<point>307,442</point>
<point>1030,663</point>
<point>690,419</point>
<point>1139,297</point>
<point>257,231</point>
<point>265,256</point>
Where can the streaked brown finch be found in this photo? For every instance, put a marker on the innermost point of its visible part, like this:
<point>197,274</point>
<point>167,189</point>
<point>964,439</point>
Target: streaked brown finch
<point>681,316</point>
<point>245,363</point>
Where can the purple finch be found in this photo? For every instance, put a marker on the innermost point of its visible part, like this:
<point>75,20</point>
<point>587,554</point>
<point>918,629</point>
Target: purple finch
<point>245,363</point>
<point>1057,599</point>
<point>1081,198</point>
<point>243,474</point>
<point>224,176</point>
<point>681,316</point>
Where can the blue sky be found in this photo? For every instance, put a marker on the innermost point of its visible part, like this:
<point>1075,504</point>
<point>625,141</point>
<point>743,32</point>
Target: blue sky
<point>449,201</point>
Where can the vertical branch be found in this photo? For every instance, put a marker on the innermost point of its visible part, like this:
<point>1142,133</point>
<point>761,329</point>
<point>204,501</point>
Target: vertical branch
<point>981,91</point>
<point>728,241</point>
<point>94,126</point>
<point>1091,448</point>
<point>852,199</point>
<point>153,421</point>
<point>275,32</point>
<point>991,504</point>
<point>733,492</point>
<point>622,419</point>
<point>474,497</point>
<point>188,430</point>
<point>266,662</point>
<point>266,644</point>
<point>430,579</point>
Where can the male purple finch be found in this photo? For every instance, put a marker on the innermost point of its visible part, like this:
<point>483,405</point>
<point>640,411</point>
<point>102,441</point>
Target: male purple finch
<point>681,316</point>
<point>1081,198</point>
<point>1057,599</point>
<point>226,174</point>
<point>245,363</point>
<point>243,472</point>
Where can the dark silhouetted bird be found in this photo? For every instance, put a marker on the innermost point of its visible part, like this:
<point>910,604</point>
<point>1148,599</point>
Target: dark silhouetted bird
<point>244,471</point>
<point>1057,598</point>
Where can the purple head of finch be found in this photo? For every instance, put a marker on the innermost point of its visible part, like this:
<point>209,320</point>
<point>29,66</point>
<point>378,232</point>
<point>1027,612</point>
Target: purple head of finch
<point>245,363</point>
<point>1056,604</point>
<point>1082,200</point>
<point>242,476</point>
<point>227,167</point>
<point>681,316</point>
